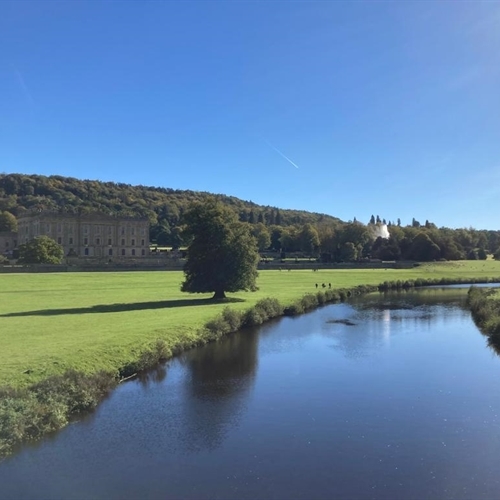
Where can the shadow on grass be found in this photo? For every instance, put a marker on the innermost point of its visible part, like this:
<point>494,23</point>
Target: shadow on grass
<point>134,306</point>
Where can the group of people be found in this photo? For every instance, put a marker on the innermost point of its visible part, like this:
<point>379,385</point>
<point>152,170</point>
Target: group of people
<point>324,286</point>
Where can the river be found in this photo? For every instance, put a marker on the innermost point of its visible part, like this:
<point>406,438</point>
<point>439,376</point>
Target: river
<point>393,396</point>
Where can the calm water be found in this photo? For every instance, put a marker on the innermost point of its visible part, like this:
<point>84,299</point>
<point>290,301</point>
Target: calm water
<point>402,402</point>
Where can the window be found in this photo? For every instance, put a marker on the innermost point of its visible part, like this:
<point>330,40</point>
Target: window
<point>7,244</point>
<point>109,241</point>
<point>85,241</point>
<point>98,241</point>
<point>133,242</point>
<point>59,240</point>
<point>142,242</point>
<point>132,231</point>
<point>59,228</point>
<point>123,251</point>
<point>123,242</point>
<point>122,230</point>
<point>110,230</point>
<point>133,251</point>
<point>71,241</point>
<point>143,252</point>
<point>86,252</point>
<point>143,232</point>
<point>15,243</point>
<point>47,228</point>
<point>110,251</point>
<point>86,229</point>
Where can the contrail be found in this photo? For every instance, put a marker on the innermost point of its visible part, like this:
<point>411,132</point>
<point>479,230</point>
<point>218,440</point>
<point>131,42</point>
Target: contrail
<point>24,87</point>
<point>283,155</point>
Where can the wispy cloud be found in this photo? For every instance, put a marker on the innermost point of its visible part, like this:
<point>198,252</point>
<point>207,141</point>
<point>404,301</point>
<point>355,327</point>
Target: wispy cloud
<point>282,154</point>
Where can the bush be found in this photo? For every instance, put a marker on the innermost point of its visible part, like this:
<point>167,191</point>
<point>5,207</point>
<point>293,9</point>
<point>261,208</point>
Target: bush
<point>47,406</point>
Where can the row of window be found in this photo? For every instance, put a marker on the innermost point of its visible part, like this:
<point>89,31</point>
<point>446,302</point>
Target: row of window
<point>123,252</point>
<point>38,227</point>
<point>7,244</point>
<point>98,241</point>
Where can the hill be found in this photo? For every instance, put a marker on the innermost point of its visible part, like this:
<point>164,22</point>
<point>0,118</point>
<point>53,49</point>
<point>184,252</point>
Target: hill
<point>163,206</point>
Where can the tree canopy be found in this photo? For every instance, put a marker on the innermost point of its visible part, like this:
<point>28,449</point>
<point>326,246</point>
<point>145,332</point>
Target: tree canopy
<point>7,222</point>
<point>41,250</point>
<point>222,256</point>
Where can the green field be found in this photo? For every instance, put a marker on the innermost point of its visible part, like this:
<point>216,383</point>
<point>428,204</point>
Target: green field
<point>92,321</point>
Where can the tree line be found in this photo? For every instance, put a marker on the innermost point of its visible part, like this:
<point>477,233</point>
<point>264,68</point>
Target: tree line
<point>279,230</point>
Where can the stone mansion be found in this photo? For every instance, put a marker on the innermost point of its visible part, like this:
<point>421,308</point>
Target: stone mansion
<point>88,235</point>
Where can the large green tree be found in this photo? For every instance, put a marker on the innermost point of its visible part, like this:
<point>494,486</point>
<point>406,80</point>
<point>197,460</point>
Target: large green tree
<point>222,256</point>
<point>41,250</point>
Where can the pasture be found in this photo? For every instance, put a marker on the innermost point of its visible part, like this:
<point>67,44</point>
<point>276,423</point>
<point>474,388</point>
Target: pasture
<point>94,321</point>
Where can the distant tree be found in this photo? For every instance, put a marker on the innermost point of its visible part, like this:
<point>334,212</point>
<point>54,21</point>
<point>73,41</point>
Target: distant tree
<point>481,254</point>
<point>276,232</point>
<point>40,250</point>
<point>472,254</point>
<point>354,220</point>
<point>261,234</point>
<point>278,218</point>
<point>272,218</point>
<point>348,252</point>
<point>386,249</point>
<point>399,222</point>
<point>372,219</point>
<point>260,218</point>
<point>496,255</point>
<point>384,222</point>
<point>378,220</point>
<point>423,248</point>
<point>251,217</point>
<point>450,250</point>
<point>309,239</point>
<point>222,256</point>
<point>290,239</point>
<point>176,239</point>
<point>8,222</point>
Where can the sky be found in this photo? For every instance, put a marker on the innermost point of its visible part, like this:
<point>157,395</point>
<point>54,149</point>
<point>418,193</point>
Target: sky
<point>344,108</point>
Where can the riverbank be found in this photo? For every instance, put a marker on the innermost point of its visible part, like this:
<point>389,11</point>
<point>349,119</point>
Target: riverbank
<point>27,411</point>
<point>484,305</point>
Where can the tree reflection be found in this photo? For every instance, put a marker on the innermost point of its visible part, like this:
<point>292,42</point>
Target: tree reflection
<point>222,375</point>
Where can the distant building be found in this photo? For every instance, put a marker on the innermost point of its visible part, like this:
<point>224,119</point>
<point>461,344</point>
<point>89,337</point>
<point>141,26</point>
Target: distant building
<point>88,235</point>
<point>8,242</point>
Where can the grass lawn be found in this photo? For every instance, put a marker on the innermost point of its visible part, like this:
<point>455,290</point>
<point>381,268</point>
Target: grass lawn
<point>92,321</point>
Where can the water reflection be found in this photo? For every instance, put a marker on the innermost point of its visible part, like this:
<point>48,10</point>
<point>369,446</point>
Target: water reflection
<point>154,376</point>
<point>369,323</point>
<point>221,376</point>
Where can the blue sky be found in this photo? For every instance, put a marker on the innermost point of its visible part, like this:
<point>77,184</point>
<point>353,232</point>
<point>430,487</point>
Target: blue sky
<point>389,108</point>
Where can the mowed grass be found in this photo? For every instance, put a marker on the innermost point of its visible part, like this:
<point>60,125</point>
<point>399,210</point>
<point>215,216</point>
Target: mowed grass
<point>94,321</point>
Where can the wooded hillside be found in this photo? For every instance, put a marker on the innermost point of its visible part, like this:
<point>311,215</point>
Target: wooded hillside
<point>163,206</point>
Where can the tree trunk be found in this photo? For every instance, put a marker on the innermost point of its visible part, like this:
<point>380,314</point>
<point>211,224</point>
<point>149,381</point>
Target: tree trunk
<point>219,294</point>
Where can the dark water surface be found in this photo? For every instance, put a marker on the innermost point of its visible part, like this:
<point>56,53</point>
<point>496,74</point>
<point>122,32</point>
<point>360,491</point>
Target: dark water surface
<point>390,397</point>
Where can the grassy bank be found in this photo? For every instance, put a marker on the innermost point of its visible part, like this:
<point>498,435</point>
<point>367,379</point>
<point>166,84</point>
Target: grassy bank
<point>89,322</point>
<point>66,339</point>
<point>485,309</point>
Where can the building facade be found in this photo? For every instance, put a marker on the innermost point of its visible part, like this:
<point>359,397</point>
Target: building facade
<point>88,235</point>
<point>8,242</point>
